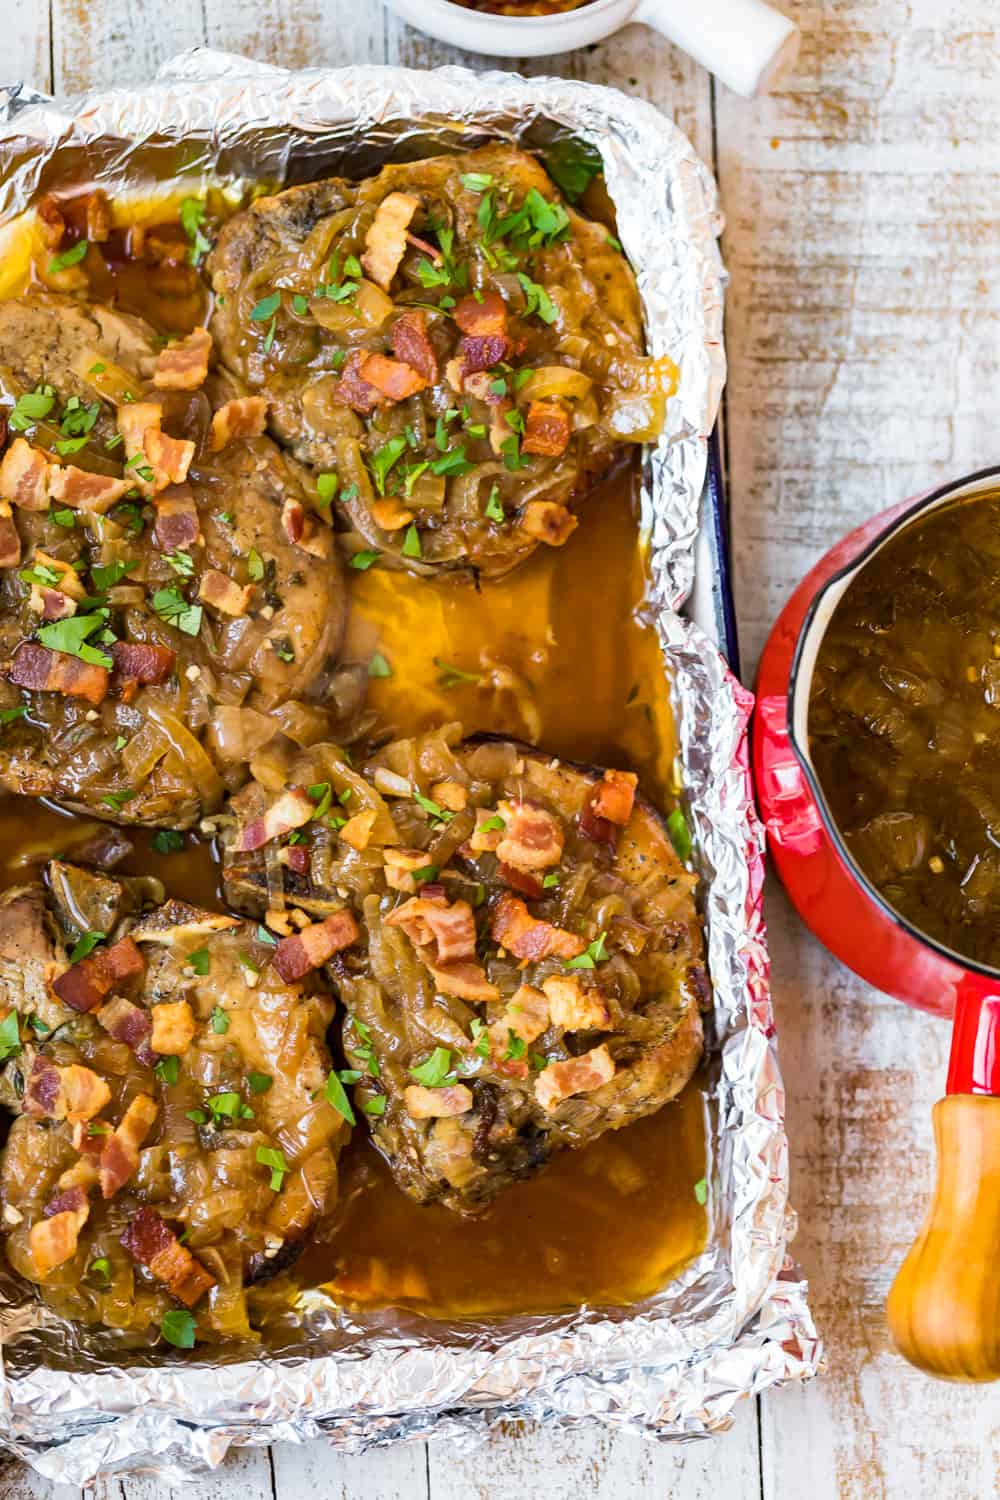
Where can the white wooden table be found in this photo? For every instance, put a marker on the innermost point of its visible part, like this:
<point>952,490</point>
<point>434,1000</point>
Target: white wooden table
<point>863,206</point>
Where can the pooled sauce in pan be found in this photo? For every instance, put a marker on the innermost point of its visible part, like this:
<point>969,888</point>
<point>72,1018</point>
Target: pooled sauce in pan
<point>556,653</point>
<point>903,724</point>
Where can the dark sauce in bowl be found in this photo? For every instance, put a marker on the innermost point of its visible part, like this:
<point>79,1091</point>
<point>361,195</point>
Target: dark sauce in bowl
<point>904,724</point>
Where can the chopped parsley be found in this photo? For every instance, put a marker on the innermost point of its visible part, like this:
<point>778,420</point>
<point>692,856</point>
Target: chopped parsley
<point>192,213</point>
<point>516,1046</point>
<point>513,459</point>
<point>101,1267</point>
<point>326,487</point>
<point>572,164</point>
<point>411,541</point>
<point>39,1026</point>
<point>33,406</point>
<point>336,1097</point>
<point>384,458</point>
<point>117,800</point>
<point>177,1327</point>
<point>219,1021</point>
<point>106,577</point>
<point>378,666</point>
<point>265,308</point>
<point>300,305</point>
<point>594,954</point>
<point>259,1083</point>
<point>171,606</point>
<point>70,257</point>
<point>551,879</point>
<point>255,565</point>
<point>537,299</point>
<point>263,936</point>
<point>64,518</point>
<point>480,1037</point>
<point>228,1106</point>
<point>85,943</point>
<point>8,715</point>
<point>441,814</point>
<point>701,1191</point>
<point>181,562</point>
<point>167,841</point>
<point>375,1105</point>
<point>198,961</point>
<point>363,560</point>
<point>476,182</point>
<point>168,1070</point>
<point>491,824</point>
<point>454,676</point>
<point>452,462</point>
<point>435,1071</point>
<point>680,834</point>
<point>270,1156</point>
<point>10,1036</point>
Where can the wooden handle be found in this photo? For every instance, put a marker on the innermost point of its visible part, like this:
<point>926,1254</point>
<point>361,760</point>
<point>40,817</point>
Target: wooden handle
<point>944,1306</point>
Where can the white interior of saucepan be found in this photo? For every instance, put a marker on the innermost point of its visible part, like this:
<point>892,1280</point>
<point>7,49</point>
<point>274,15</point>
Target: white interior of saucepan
<point>827,601</point>
<point>515,36</point>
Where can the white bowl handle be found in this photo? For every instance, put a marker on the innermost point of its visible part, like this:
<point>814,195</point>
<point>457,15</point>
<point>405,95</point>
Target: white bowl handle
<point>745,43</point>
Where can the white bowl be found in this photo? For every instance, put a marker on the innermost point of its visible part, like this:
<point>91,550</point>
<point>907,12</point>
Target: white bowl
<point>745,43</point>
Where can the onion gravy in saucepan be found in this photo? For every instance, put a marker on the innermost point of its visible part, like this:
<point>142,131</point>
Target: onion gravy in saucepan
<point>904,724</point>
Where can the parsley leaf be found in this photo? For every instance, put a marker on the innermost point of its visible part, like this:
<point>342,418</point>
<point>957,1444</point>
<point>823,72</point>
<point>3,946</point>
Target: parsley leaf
<point>192,214</point>
<point>171,606</point>
<point>259,1083</point>
<point>71,636</point>
<point>431,808</point>
<point>270,1156</point>
<point>411,542</point>
<point>265,308</point>
<point>378,666</point>
<point>177,1327</point>
<point>198,961</point>
<point>680,834</point>
<point>168,1070</point>
<point>85,943</point>
<point>537,299</point>
<point>701,1191</point>
<point>336,1097</point>
<point>376,1105</point>
<point>181,562</point>
<point>10,1036</point>
<point>70,257</point>
<point>384,458</point>
<point>106,577</point>
<point>594,954</point>
<point>219,1020</point>
<point>453,676</point>
<point>435,1071</point>
<point>363,560</point>
<point>8,715</point>
<point>572,163</point>
<point>34,406</point>
<point>167,841</point>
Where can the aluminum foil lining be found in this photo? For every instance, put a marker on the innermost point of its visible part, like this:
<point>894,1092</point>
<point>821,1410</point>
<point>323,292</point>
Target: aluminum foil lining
<point>736,1320</point>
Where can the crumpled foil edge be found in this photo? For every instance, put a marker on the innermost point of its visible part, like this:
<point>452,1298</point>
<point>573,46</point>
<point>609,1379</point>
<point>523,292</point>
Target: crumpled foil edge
<point>736,1321</point>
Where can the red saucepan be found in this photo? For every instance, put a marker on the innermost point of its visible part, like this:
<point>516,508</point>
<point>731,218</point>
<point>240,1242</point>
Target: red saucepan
<point>944,1308</point>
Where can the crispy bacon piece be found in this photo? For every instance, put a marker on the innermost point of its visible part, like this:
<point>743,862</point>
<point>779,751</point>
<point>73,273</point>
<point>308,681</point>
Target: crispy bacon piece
<point>480,385</point>
<point>482,353</point>
<point>521,880</point>
<point>154,461</point>
<point>10,541</point>
<point>69,579</point>
<point>575,1007</point>
<point>546,429</point>
<point>549,521</point>
<point>51,221</point>
<point>385,242</point>
<point>246,417</point>
<point>51,604</point>
<point>304,530</point>
<point>597,830</point>
<point>450,794</point>
<point>139,666</point>
<point>177,523</point>
<point>430,919</point>
<point>411,344</point>
<point>70,1200</point>
<point>466,980</point>
<point>53,1241</point>
<point>436,1104</point>
<point>390,377</point>
<point>614,796</point>
<point>85,983</point>
<point>399,868</point>
<point>170,458</point>
<point>120,1156</point>
<point>532,838</point>
<point>45,671</point>
<point>24,476</point>
<point>526,1015</point>
<point>483,840</point>
<point>222,593</point>
<point>354,392</point>
<point>131,1024</point>
<point>173,1027</point>
<point>357,831</point>
<point>183,365</point>
<point>292,810</point>
<point>296,956</point>
<point>481,318</point>
<point>83,490</point>
<point>98,217</point>
<point>151,1242</point>
<point>73,1093</point>
<point>576,1075</point>
<point>515,929</point>
<point>390,513</point>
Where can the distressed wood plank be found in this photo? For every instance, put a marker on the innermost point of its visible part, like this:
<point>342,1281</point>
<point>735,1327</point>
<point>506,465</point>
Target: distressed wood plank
<point>245,1472</point>
<point>398,1473</point>
<point>864,341</point>
<point>95,45</point>
<point>27,51</point>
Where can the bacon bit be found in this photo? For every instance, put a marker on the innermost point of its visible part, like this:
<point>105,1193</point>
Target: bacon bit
<point>357,831</point>
<point>526,1015</point>
<point>450,794</point>
<point>481,318</point>
<point>399,867</point>
<point>167,458</point>
<point>354,392</point>
<point>73,1093</point>
<point>90,1148</point>
<point>303,530</point>
<point>69,579</point>
<point>177,522</point>
<point>546,429</point>
<point>246,417</point>
<point>222,593</point>
<point>54,1241</point>
<point>296,857</point>
<point>478,354</point>
<point>98,217</point>
<point>120,1156</point>
<point>308,949</point>
<point>436,1104</point>
<point>154,1245</point>
<point>411,344</point>
<point>597,830</point>
<point>548,521</point>
<point>292,810</point>
<point>574,1007</point>
<point>69,1201</point>
<point>390,513</point>
<point>577,1075</point>
<point>139,666</point>
<point>480,385</point>
<point>170,458</point>
<point>45,671</point>
<point>95,493</point>
<point>51,604</point>
<point>53,225</point>
<point>84,984</point>
<point>10,541</point>
<point>183,365</point>
<point>130,1024</point>
<point>425,920</point>
<point>521,880</point>
<point>614,796</point>
<point>24,476</point>
<point>532,838</point>
<point>173,1027</point>
<point>485,840</point>
<point>385,242</point>
<point>393,379</point>
<point>515,929</point>
<point>467,981</point>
